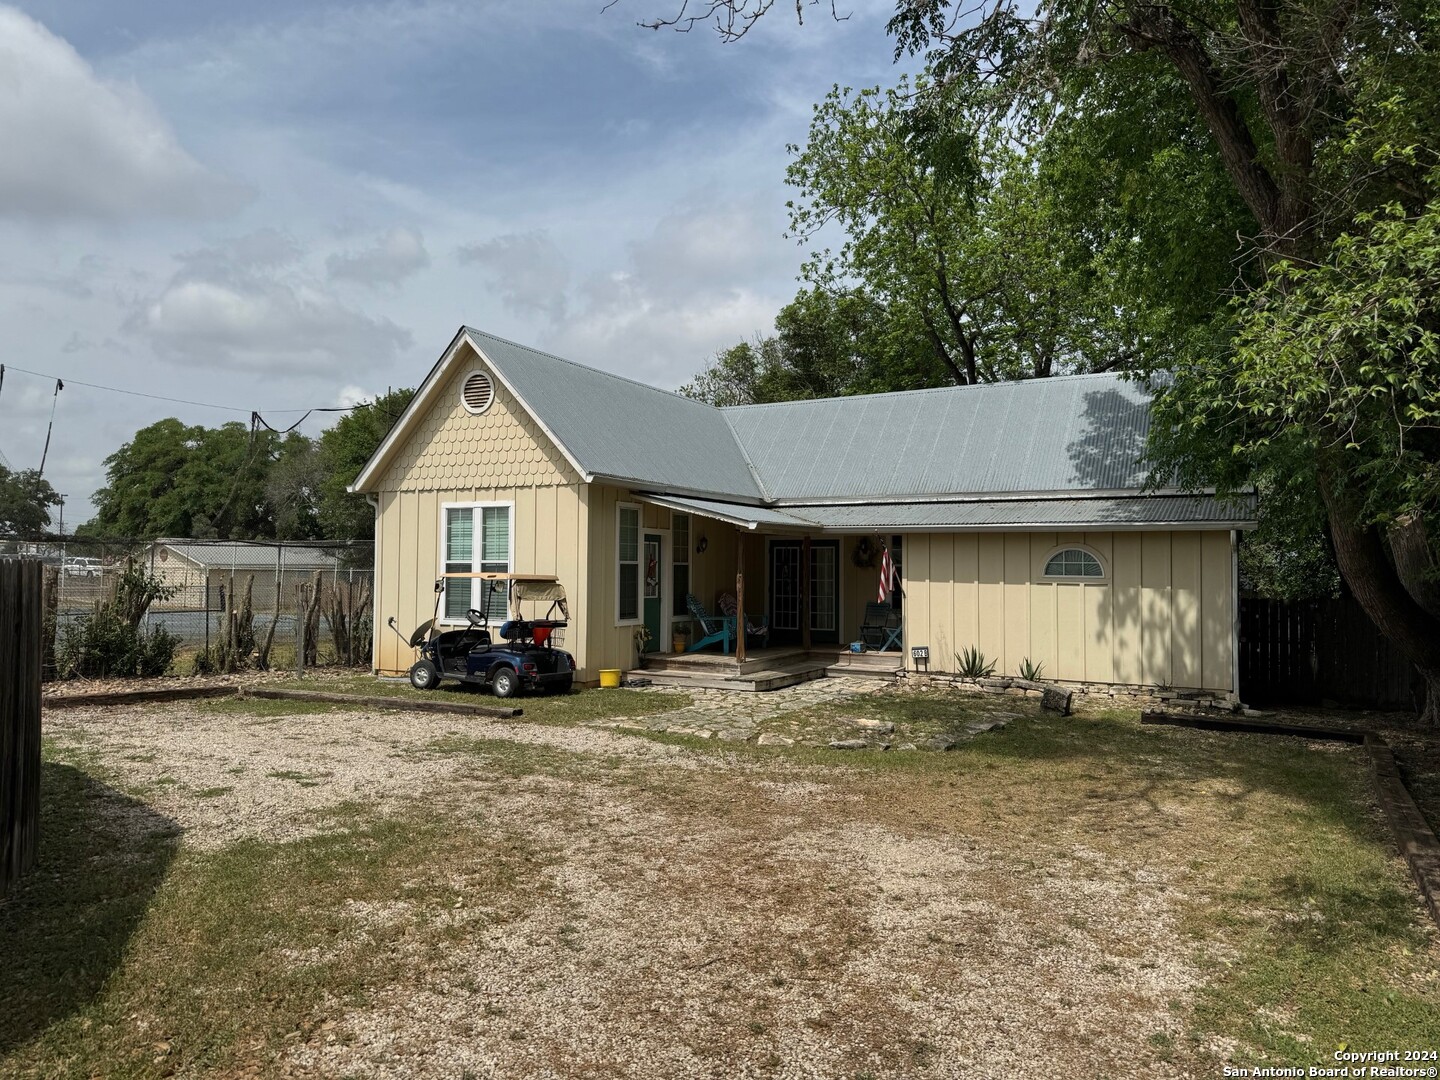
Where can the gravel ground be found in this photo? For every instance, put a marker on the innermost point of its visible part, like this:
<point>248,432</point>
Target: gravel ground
<point>702,915</point>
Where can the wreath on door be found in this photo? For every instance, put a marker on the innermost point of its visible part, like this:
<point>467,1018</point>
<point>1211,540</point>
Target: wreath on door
<point>864,554</point>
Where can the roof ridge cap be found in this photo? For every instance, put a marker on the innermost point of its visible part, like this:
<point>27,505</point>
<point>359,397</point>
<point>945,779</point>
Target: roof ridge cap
<point>929,390</point>
<point>586,367</point>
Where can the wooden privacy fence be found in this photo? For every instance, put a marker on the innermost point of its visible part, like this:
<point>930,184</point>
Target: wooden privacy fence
<point>1312,651</point>
<point>20,648</point>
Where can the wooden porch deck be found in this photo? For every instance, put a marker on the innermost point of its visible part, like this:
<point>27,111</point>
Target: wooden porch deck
<point>771,668</point>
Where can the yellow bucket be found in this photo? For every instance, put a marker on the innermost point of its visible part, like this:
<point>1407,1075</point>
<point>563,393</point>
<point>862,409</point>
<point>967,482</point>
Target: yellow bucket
<point>609,678</point>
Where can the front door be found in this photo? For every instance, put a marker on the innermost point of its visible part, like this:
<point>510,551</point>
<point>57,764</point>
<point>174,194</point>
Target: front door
<point>785,595</point>
<point>654,592</point>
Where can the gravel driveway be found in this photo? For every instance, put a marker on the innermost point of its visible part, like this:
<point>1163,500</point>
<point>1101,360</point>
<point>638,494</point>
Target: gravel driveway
<point>700,912</point>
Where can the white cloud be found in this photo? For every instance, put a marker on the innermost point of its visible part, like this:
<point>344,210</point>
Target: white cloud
<point>242,305</point>
<point>77,146</point>
<point>528,270</point>
<point>394,257</point>
<point>351,395</point>
<point>707,276</point>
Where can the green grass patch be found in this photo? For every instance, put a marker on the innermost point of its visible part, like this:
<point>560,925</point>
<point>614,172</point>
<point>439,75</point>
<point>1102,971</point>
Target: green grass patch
<point>126,956</point>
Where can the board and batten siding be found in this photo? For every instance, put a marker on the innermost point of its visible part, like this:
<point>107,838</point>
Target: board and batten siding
<point>1162,616</point>
<point>712,572</point>
<point>453,456</point>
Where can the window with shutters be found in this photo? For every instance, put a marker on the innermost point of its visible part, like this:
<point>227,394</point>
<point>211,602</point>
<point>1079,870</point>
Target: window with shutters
<point>475,537</point>
<point>628,578</point>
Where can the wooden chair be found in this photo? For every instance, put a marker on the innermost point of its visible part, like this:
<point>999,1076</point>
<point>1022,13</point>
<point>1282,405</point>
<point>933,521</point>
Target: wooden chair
<point>882,628</point>
<point>716,629</point>
<point>757,630</point>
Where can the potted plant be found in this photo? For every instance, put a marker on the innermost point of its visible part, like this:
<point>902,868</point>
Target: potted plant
<point>679,637</point>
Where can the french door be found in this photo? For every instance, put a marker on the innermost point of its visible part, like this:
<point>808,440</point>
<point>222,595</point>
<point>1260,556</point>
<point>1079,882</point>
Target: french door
<point>786,598</point>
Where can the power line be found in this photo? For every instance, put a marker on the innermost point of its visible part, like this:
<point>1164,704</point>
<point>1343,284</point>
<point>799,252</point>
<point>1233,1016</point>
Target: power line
<point>174,401</point>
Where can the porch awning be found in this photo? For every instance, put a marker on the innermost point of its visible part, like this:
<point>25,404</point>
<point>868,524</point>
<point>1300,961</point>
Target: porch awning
<point>747,517</point>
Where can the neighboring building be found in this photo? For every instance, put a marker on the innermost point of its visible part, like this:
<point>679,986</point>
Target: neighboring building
<point>1014,510</point>
<point>200,571</point>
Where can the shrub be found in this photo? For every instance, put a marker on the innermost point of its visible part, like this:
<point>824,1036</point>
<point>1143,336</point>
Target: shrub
<point>109,642</point>
<point>105,644</point>
<point>971,664</point>
<point>1031,671</point>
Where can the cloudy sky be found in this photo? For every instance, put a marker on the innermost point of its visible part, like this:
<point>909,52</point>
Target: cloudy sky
<point>278,206</point>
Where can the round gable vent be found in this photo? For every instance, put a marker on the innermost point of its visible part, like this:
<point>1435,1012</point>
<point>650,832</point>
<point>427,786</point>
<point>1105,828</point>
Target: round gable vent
<point>478,393</point>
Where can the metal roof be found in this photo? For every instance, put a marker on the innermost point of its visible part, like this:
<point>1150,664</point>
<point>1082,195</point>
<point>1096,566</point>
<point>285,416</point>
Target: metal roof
<point>224,555</point>
<point>1067,433</point>
<point>621,429</point>
<point>1132,511</point>
<point>1072,513</point>
<point>1067,450</point>
<point>749,517</point>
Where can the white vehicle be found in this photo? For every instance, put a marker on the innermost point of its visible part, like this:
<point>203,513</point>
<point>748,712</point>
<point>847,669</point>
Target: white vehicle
<point>79,567</point>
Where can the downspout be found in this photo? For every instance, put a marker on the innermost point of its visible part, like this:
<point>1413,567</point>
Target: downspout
<point>1235,614</point>
<point>374,591</point>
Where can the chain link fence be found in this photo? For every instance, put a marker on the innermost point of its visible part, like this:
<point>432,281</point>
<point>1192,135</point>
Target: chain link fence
<point>230,604</point>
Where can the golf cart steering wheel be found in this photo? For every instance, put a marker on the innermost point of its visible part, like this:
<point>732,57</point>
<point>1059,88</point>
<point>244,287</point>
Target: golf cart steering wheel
<point>476,617</point>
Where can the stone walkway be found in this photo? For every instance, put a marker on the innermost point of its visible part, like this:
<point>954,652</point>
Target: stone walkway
<point>787,717</point>
<point>735,716</point>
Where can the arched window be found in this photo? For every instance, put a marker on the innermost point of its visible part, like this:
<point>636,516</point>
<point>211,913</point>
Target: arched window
<point>1074,563</point>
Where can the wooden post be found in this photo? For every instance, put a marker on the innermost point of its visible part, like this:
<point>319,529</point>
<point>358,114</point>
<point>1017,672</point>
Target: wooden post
<point>301,606</point>
<point>739,597</point>
<point>805,593</point>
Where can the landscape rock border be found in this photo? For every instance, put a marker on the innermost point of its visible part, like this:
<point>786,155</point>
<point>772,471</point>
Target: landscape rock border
<point>191,693</point>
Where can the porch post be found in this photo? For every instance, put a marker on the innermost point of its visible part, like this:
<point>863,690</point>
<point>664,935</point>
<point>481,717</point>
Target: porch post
<point>739,596</point>
<point>805,593</point>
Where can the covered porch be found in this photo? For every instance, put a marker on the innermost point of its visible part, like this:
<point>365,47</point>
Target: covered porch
<point>804,596</point>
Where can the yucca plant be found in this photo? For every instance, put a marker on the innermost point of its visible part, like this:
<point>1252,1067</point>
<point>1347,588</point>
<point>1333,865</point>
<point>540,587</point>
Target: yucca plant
<point>1031,671</point>
<point>971,664</point>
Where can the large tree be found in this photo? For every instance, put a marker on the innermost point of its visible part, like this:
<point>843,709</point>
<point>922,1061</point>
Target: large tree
<point>25,501</point>
<point>343,451</point>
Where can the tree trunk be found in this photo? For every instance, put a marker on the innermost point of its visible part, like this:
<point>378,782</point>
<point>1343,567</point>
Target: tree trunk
<point>1410,548</point>
<point>1377,587</point>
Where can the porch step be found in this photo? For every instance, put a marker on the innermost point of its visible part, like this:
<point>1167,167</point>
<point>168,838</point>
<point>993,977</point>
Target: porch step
<point>769,678</point>
<point>709,663</point>
<point>870,664</point>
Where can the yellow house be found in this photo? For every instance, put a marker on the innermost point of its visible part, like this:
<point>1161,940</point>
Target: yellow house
<point>1009,517</point>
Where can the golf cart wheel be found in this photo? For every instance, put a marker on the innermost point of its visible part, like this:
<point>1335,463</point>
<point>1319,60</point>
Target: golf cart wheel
<point>504,682</point>
<point>424,676</point>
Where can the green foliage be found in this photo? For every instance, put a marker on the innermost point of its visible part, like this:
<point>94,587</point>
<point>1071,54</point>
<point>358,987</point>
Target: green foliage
<point>962,235</point>
<point>1333,376</point>
<point>25,501</point>
<point>1030,670</point>
<point>233,483</point>
<point>970,663</point>
<point>343,451</point>
<point>104,644</point>
<point>110,642</point>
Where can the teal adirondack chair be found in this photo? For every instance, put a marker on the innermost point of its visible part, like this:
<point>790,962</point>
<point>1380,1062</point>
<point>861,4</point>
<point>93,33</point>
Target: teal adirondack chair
<point>717,629</point>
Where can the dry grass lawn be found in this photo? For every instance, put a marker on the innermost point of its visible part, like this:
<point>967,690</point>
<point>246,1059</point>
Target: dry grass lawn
<point>265,888</point>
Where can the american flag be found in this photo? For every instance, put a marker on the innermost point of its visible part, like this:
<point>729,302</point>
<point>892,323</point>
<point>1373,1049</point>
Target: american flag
<point>887,576</point>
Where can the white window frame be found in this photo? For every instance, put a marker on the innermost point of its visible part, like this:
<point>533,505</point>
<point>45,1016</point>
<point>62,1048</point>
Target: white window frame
<point>478,547</point>
<point>1104,577</point>
<point>639,564</point>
